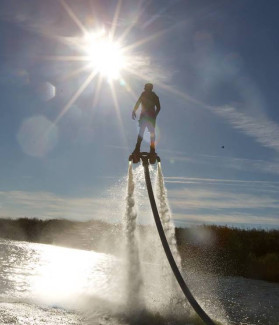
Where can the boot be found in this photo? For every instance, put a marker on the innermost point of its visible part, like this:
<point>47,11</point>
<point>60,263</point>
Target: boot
<point>152,150</point>
<point>152,145</point>
<point>137,149</point>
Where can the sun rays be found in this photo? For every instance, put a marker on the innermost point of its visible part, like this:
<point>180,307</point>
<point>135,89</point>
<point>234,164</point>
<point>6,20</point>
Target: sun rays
<point>102,54</point>
<point>77,94</point>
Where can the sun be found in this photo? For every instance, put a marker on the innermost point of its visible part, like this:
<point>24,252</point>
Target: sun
<point>105,55</point>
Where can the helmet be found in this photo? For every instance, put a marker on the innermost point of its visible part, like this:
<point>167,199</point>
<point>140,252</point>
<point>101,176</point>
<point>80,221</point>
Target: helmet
<point>148,86</point>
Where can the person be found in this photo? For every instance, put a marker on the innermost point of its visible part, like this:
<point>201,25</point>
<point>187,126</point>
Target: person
<point>148,100</point>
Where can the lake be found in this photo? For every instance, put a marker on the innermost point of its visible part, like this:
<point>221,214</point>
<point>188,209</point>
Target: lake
<point>45,284</point>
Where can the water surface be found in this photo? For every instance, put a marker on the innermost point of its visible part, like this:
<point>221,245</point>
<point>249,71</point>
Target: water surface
<point>45,284</point>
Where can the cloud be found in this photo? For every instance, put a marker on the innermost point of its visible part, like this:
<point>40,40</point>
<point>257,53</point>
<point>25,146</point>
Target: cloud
<point>196,198</point>
<point>192,205</point>
<point>263,130</point>
<point>213,201</point>
<point>217,68</point>
<point>242,164</point>
<point>238,163</point>
<point>47,205</point>
<point>263,186</point>
<point>233,219</point>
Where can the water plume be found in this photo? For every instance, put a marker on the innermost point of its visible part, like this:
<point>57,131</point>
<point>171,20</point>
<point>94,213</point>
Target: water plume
<point>177,301</point>
<point>135,300</point>
<point>165,214</point>
<point>203,287</point>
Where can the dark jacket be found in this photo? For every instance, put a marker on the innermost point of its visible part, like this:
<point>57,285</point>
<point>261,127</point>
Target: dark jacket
<point>148,100</point>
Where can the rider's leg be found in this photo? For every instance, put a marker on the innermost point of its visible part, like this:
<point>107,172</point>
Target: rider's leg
<point>152,137</point>
<point>152,142</point>
<point>140,137</point>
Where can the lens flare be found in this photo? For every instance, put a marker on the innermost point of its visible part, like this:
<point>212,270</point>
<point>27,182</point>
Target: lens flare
<point>37,136</point>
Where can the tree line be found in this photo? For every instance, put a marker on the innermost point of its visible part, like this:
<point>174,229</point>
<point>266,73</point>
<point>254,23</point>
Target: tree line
<point>251,253</point>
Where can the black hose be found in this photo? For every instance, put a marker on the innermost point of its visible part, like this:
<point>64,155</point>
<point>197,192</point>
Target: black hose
<point>207,320</point>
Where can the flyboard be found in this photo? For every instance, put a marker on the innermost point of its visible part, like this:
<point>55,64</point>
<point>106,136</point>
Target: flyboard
<point>144,156</point>
<point>151,158</point>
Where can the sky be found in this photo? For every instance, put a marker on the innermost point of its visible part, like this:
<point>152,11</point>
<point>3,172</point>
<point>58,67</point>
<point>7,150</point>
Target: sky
<point>66,130</point>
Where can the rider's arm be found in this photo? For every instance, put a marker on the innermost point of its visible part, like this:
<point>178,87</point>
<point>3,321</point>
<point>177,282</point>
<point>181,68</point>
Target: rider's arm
<point>158,106</point>
<point>137,104</point>
<point>136,107</point>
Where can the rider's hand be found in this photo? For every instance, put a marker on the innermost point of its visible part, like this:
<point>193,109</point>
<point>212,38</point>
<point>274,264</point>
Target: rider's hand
<point>134,115</point>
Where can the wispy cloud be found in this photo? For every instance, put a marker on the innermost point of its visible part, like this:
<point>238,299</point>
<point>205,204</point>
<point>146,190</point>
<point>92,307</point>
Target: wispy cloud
<point>233,219</point>
<point>261,185</point>
<point>242,164</point>
<point>216,199</point>
<point>194,205</point>
<point>229,162</point>
<point>263,130</point>
<point>47,205</point>
<point>222,201</point>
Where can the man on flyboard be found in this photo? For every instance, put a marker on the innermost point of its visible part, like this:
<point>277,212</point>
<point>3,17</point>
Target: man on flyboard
<point>150,108</point>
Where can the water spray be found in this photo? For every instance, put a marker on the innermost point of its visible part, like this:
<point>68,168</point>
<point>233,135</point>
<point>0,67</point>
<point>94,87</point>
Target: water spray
<point>146,159</point>
<point>135,301</point>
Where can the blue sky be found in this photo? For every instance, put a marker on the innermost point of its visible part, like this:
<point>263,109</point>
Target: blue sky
<point>214,65</point>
